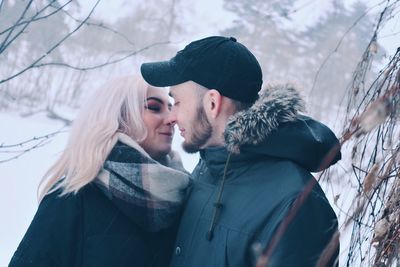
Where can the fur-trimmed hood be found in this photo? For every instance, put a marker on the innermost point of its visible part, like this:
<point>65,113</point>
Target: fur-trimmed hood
<point>276,105</point>
<point>273,126</point>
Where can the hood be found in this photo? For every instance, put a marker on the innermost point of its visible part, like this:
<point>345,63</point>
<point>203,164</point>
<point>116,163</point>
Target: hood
<point>274,127</point>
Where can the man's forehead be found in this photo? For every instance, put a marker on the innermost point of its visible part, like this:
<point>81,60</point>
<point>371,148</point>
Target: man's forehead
<point>174,91</point>
<point>182,89</point>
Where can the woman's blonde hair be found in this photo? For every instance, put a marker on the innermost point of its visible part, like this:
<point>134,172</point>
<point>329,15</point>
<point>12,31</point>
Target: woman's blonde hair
<point>116,107</point>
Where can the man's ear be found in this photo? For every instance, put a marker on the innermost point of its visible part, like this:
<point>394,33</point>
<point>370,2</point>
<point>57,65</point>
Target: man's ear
<point>213,101</point>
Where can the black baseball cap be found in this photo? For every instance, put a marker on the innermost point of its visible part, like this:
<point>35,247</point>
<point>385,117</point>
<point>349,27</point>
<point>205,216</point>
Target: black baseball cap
<point>214,62</point>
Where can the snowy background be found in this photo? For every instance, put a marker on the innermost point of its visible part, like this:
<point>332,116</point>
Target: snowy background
<point>23,117</point>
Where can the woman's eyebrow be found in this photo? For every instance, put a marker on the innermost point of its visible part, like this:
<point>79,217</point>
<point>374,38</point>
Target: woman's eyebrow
<point>156,99</point>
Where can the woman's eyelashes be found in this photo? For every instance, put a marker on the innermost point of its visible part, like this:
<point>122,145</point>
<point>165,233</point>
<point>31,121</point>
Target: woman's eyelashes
<point>155,108</point>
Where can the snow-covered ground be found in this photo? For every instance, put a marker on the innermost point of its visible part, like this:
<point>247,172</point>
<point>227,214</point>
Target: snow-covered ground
<point>21,176</point>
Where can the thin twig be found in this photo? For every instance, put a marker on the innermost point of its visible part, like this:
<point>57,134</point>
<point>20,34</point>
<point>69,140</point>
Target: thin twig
<point>340,43</point>
<point>34,139</point>
<point>3,44</point>
<point>33,64</point>
<point>34,18</point>
<point>108,62</point>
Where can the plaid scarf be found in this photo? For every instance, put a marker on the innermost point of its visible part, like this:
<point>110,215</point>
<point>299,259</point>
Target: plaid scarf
<point>149,193</point>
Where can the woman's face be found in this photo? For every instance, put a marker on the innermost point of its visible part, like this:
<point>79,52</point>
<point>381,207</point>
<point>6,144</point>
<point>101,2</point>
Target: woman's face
<point>160,132</point>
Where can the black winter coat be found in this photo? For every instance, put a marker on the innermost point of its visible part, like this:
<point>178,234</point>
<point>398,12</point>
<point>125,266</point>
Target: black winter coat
<point>278,149</point>
<point>87,229</point>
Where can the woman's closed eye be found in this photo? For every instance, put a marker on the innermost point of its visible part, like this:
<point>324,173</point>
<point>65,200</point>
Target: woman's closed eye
<point>155,108</point>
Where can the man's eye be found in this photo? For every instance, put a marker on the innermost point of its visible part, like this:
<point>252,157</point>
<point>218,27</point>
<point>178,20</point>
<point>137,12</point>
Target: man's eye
<point>176,103</point>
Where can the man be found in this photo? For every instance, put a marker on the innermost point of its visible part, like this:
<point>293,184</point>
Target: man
<point>253,199</point>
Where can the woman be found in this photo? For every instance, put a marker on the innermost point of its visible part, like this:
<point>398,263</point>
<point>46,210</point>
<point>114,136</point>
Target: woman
<point>114,195</point>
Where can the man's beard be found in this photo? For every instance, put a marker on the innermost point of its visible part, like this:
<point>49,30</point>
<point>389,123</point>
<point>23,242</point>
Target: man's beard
<point>201,132</point>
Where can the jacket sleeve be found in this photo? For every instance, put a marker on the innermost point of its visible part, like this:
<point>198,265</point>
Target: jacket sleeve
<point>52,237</point>
<point>306,236</point>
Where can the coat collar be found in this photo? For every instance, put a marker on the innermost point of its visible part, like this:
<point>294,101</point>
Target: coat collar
<point>277,104</point>
<point>273,127</point>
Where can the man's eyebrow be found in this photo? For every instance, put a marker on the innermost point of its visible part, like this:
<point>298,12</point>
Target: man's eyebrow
<point>156,99</point>
<point>171,95</point>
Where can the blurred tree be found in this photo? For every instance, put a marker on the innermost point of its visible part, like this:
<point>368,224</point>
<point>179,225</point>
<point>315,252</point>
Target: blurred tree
<point>308,55</point>
<point>28,31</point>
<point>154,21</point>
<point>260,28</point>
<point>39,25</point>
<point>336,49</point>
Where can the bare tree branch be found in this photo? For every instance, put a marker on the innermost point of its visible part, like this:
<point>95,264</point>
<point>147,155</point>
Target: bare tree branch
<point>35,18</point>
<point>102,26</point>
<point>1,4</point>
<point>374,123</point>
<point>34,139</point>
<point>39,141</point>
<point>40,144</point>
<point>53,115</point>
<point>53,47</point>
<point>108,62</point>
<point>3,45</point>
<point>340,42</point>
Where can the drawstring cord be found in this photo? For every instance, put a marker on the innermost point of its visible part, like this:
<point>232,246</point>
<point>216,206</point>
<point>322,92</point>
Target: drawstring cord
<point>218,204</point>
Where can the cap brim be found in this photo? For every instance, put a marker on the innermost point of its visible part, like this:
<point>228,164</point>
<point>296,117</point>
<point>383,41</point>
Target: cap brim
<point>161,73</point>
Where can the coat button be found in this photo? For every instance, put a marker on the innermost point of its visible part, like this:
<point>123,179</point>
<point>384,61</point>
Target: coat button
<point>177,251</point>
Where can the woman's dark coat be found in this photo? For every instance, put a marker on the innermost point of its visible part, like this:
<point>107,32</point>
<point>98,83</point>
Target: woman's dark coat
<point>87,229</point>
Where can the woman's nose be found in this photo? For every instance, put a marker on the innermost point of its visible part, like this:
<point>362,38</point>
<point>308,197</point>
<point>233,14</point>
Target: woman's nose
<point>170,118</point>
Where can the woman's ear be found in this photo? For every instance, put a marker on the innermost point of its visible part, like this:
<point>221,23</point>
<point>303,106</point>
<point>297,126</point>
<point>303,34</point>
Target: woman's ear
<point>213,101</point>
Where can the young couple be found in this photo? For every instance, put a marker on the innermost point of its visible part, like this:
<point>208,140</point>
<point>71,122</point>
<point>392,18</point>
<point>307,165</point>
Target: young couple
<point>118,195</point>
